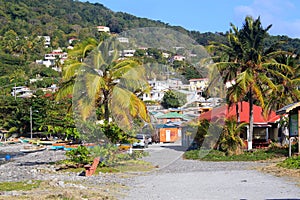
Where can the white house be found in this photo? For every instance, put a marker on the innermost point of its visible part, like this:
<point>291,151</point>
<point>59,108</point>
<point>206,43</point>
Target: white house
<point>158,89</point>
<point>198,84</point>
<point>21,91</point>
<point>103,29</point>
<point>178,58</point>
<point>51,58</point>
<point>175,83</point>
<point>47,40</point>
<point>123,39</point>
<point>127,53</point>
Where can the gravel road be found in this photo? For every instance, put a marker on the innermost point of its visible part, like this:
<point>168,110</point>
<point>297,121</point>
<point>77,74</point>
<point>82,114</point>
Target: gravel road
<point>176,178</point>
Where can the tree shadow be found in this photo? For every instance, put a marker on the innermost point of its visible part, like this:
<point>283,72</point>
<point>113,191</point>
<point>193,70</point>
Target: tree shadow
<point>174,147</point>
<point>35,163</point>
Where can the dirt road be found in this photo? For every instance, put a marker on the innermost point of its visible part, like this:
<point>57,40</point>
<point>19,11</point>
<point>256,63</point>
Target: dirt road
<point>176,178</point>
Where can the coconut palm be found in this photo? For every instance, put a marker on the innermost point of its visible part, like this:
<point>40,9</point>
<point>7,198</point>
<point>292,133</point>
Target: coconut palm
<point>73,64</point>
<point>228,65</point>
<point>111,84</point>
<point>253,65</point>
<point>287,91</point>
<point>259,67</point>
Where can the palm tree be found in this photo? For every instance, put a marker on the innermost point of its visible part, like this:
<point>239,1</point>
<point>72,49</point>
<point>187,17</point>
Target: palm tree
<point>230,140</point>
<point>258,64</point>
<point>253,65</point>
<point>72,65</point>
<point>287,91</point>
<point>112,84</point>
<point>228,65</point>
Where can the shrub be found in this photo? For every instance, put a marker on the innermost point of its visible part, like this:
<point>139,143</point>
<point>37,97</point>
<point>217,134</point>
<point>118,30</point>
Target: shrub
<point>291,163</point>
<point>230,141</point>
<point>80,155</point>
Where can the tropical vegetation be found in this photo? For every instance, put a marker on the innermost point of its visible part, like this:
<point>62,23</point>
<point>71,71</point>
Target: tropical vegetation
<point>257,71</point>
<point>263,68</point>
<point>173,99</point>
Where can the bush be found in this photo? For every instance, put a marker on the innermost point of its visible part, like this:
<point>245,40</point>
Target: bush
<point>80,155</point>
<point>111,156</point>
<point>291,163</point>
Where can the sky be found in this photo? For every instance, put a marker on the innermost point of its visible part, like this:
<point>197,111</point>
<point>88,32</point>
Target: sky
<point>215,15</point>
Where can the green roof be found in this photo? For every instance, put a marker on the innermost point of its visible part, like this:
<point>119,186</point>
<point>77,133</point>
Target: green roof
<point>171,115</point>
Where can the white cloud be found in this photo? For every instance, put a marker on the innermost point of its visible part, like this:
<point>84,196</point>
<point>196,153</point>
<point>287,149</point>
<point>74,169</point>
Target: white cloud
<point>275,12</point>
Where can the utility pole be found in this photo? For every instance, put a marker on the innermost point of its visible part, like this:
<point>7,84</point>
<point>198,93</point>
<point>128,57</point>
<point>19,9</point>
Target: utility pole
<point>30,122</point>
<point>15,92</point>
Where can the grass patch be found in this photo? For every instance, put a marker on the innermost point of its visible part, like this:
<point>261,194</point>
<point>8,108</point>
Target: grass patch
<point>256,155</point>
<point>106,170</point>
<point>134,166</point>
<point>124,166</point>
<point>290,163</point>
<point>19,186</point>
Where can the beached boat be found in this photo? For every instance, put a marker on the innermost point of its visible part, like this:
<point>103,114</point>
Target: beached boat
<point>46,142</point>
<point>24,140</point>
<point>71,147</point>
<point>32,149</point>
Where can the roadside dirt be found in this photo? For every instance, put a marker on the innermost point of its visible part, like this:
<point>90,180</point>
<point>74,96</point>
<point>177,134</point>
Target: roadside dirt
<point>273,169</point>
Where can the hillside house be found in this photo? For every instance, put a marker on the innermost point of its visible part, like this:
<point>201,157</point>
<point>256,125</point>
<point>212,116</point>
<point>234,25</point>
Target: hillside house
<point>178,58</point>
<point>47,40</point>
<point>123,40</point>
<point>158,89</point>
<point>198,84</point>
<point>103,29</point>
<point>50,59</point>
<point>21,91</point>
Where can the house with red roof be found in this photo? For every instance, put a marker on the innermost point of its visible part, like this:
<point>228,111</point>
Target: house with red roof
<point>265,128</point>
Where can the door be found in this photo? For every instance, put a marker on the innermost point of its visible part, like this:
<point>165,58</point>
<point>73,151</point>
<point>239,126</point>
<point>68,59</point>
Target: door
<point>168,135</point>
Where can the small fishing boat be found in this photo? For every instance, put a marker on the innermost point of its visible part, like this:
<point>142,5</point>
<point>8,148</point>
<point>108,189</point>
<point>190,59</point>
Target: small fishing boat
<point>24,140</point>
<point>32,149</point>
<point>71,147</point>
<point>59,145</point>
<point>46,142</point>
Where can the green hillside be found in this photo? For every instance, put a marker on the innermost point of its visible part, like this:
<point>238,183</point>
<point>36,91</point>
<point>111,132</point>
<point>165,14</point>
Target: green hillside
<point>23,20</point>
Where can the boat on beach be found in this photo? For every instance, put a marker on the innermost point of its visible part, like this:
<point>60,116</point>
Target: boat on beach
<point>32,149</point>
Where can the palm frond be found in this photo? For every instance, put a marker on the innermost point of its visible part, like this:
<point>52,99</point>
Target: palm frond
<point>71,70</point>
<point>65,89</point>
<point>245,79</point>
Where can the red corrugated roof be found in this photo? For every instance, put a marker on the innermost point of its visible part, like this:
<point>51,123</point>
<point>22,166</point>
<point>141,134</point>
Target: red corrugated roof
<point>223,112</point>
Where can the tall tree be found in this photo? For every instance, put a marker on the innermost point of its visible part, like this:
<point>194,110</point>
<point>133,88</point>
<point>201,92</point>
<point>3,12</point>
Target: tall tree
<point>109,83</point>
<point>287,86</point>
<point>227,62</point>
<point>255,66</point>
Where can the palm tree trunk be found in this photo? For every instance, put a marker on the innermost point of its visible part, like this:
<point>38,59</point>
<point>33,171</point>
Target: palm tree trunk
<point>237,112</point>
<point>106,108</point>
<point>250,119</point>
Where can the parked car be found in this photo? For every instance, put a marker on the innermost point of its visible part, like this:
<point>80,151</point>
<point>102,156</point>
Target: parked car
<point>149,139</point>
<point>142,141</point>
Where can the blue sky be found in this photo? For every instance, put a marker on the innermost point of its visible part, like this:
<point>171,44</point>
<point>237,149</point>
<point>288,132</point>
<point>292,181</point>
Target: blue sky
<point>215,15</point>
